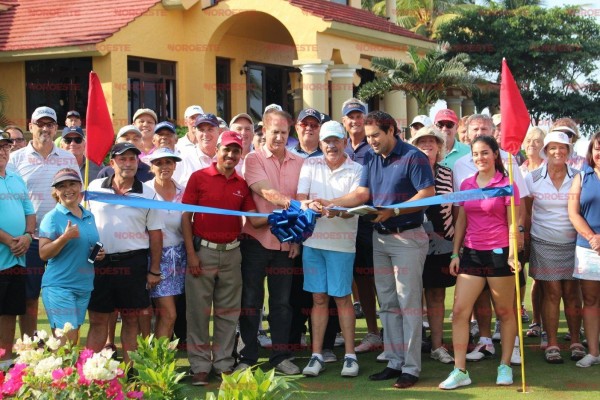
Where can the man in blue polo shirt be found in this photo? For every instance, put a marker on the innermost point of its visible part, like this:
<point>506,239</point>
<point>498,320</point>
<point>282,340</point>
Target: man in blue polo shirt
<point>395,172</point>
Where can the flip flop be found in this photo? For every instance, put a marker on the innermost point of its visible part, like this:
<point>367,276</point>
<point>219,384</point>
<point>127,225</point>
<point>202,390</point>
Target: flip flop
<point>552,355</point>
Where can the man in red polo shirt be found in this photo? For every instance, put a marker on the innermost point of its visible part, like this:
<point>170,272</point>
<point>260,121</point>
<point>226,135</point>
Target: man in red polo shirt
<point>213,259</point>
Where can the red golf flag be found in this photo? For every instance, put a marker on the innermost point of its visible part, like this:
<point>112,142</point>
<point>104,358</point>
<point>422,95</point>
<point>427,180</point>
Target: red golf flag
<point>515,118</point>
<point>99,128</point>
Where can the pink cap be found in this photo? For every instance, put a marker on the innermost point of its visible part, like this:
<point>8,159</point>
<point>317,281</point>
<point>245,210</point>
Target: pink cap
<point>445,115</point>
<point>230,137</point>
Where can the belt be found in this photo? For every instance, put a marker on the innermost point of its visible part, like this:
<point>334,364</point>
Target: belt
<point>388,231</point>
<point>220,246</point>
<point>115,257</point>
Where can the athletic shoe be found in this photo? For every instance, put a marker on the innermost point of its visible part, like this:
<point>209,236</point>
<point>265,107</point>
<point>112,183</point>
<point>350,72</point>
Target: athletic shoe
<point>588,361</point>
<point>474,328</point>
<point>544,341</point>
<point>287,367</point>
<point>350,368</point>
<point>329,356</point>
<point>481,351</point>
<point>339,340</point>
<point>524,315</point>
<point>515,358</point>
<point>505,376</point>
<point>456,379</point>
<point>496,335</point>
<point>535,330</point>
<point>382,358</point>
<point>358,311</point>
<point>442,355</point>
<point>370,342</point>
<point>314,367</point>
<point>263,340</point>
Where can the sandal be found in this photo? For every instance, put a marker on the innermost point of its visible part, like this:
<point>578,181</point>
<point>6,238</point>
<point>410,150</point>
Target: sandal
<point>534,330</point>
<point>552,355</point>
<point>577,351</point>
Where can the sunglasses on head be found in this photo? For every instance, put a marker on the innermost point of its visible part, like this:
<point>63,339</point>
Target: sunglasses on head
<point>77,140</point>
<point>447,124</point>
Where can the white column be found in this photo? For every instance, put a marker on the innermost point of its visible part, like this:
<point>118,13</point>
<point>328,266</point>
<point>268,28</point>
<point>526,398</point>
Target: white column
<point>315,91</point>
<point>342,84</point>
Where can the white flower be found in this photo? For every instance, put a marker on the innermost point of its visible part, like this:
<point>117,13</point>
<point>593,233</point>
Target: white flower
<point>68,327</point>
<point>43,335</point>
<point>44,367</point>
<point>59,332</point>
<point>53,343</point>
<point>106,353</point>
<point>98,367</point>
<point>30,357</point>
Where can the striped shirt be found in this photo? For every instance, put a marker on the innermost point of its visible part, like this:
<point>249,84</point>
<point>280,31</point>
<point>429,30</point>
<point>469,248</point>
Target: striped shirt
<point>440,223</point>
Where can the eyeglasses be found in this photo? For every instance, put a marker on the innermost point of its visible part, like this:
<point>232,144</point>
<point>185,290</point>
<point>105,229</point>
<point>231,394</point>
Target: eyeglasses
<point>18,140</point>
<point>447,124</point>
<point>43,125</point>
<point>77,140</point>
<point>313,125</point>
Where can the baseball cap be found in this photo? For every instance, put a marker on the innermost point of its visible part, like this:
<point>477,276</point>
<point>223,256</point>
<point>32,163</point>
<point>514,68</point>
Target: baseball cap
<point>192,110</point>
<point>5,136</point>
<point>207,119</point>
<point>241,115</point>
<point>143,111</point>
<point>258,128</point>
<point>309,112</point>
<point>73,113</point>
<point>496,118</point>
<point>230,137</point>
<point>163,152</point>
<point>332,129</point>
<point>222,123</point>
<point>165,125</point>
<point>429,131</point>
<point>445,115</point>
<point>273,107</point>
<point>128,128</point>
<point>121,148</point>
<point>43,112</point>
<point>66,174</point>
<point>421,119</point>
<point>73,129</point>
<point>557,137</point>
<point>354,106</point>
<point>325,118</point>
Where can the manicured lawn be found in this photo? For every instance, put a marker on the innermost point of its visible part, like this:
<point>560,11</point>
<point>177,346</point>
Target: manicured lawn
<point>544,381</point>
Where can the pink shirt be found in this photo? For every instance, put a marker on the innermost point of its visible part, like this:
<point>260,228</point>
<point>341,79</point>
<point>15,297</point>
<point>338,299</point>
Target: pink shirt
<point>262,165</point>
<point>487,219</point>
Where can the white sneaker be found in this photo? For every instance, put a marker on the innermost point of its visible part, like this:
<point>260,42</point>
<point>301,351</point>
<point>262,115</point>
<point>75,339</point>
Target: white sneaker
<point>339,340</point>
<point>496,335</point>
<point>442,355</point>
<point>457,378</point>
<point>314,367</point>
<point>371,342</point>
<point>350,368</point>
<point>287,367</point>
<point>515,358</point>
<point>474,328</point>
<point>588,361</point>
<point>263,340</point>
<point>481,351</point>
<point>329,356</point>
<point>382,358</point>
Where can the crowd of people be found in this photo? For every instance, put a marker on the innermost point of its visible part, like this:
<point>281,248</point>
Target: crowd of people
<point>184,270</point>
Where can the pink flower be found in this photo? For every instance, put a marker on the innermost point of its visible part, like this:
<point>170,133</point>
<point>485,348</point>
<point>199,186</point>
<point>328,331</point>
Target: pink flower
<point>84,355</point>
<point>2,352</point>
<point>58,374</point>
<point>114,390</point>
<point>135,395</point>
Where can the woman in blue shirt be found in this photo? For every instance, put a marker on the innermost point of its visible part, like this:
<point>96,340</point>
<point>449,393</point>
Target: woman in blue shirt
<point>67,235</point>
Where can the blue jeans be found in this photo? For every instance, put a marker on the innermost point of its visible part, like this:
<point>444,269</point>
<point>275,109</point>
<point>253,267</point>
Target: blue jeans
<point>258,263</point>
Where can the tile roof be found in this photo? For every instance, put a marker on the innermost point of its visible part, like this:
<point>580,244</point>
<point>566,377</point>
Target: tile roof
<point>330,11</point>
<point>33,24</point>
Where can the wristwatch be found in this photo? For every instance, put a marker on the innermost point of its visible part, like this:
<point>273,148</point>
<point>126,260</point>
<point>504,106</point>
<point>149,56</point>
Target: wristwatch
<point>396,211</point>
<point>161,275</point>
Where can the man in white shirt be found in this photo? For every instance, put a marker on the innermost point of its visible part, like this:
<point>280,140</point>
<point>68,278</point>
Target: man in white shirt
<point>189,140</point>
<point>206,129</point>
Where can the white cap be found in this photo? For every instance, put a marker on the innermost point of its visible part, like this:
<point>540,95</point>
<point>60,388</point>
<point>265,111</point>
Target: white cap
<point>332,129</point>
<point>163,152</point>
<point>497,119</point>
<point>43,112</point>
<point>192,110</point>
<point>421,119</point>
<point>127,129</point>
<point>273,107</point>
<point>241,115</point>
<point>556,137</point>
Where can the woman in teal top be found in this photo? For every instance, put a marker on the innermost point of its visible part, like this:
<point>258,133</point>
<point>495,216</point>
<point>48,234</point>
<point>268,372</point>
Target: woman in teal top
<point>67,235</point>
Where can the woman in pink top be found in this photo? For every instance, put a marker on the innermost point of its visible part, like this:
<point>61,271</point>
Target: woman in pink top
<point>482,229</point>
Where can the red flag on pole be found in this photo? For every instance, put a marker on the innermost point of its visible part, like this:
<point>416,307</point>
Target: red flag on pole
<point>99,128</point>
<point>515,118</point>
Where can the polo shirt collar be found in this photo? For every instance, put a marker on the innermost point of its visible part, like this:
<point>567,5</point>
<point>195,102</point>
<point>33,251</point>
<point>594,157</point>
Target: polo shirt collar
<point>137,186</point>
<point>570,171</point>
<point>66,211</point>
<point>213,171</point>
<point>587,170</point>
<point>398,147</point>
<point>498,176</point>
<point>31,150</point>
<point>361,144</point>
<point>288,155</point>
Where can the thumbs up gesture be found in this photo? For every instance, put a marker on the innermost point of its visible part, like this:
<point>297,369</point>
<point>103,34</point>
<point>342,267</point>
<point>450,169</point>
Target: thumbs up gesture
<point>71,231</point>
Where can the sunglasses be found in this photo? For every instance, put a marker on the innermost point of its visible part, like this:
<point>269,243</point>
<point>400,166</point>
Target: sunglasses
<point>447,124</point>
<point>43,125</point>
<point>77,140</point>
<point>312,125</point>
<point>18,140</point>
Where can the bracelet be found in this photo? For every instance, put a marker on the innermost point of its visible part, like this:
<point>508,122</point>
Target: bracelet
<point>453,256</point>
<point>29,236</point>
<point>154,273</point>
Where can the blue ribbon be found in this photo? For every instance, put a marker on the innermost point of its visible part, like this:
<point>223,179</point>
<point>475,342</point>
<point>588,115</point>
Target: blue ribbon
<point>294,224</point>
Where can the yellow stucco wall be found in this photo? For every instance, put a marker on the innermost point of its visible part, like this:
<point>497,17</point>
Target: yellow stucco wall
<point>12,81</point>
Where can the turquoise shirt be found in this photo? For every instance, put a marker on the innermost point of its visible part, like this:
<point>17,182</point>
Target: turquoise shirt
<point>458,150</point>
<point>15,205</point>
<point>70,269</point>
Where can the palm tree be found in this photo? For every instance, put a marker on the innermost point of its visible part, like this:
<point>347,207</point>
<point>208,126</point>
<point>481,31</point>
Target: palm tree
<point>426,78</point>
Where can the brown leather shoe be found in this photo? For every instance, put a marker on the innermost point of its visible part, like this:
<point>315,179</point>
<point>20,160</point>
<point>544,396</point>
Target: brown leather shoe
<point>200,379</point>
<point>405,381</point>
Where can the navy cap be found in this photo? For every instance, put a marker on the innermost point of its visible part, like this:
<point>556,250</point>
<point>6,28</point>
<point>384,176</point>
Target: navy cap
<point>66,174</point>
<point>73,129</point>
<point>207,119</point>
<point>354,106</point>
<point>73,113</point>
<point>325,118</point>
<point>165,125</point>
<point>309,112</point>
<point>121,148</point>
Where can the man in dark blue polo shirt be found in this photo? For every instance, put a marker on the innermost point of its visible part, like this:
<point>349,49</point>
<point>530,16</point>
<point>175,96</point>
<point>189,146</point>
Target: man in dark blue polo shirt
<point>395,172</point>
